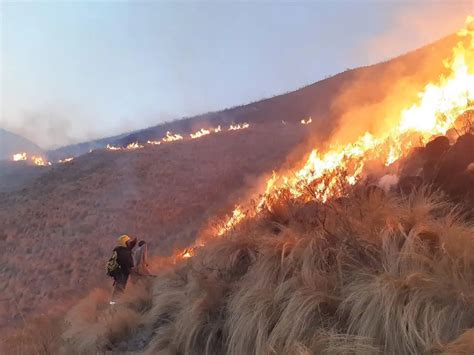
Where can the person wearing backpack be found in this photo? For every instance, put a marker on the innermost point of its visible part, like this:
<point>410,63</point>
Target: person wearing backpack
<point>120,265</point>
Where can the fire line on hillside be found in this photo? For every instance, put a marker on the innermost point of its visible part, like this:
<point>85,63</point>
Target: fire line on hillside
<point>342,165</point>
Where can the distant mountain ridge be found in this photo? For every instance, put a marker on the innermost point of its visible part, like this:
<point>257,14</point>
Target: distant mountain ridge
<point>11,143</point>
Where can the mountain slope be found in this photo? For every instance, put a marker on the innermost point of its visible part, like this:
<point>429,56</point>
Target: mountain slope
<point>59,228</point>
<point>11,143</point>
<point>322,100</point>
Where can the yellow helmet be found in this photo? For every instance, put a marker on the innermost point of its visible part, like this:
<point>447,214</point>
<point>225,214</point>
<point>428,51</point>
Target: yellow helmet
<point>123,239</point>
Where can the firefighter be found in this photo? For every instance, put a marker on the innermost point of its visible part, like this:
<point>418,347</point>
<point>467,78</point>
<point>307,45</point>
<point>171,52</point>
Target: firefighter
<point>120,265</point>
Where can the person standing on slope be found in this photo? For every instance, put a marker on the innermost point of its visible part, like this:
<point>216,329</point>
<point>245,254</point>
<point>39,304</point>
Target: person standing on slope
<point>120,265</point>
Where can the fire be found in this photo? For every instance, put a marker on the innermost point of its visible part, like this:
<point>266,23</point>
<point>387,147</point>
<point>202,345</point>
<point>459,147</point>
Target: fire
<point>65,160</point>
<point>112,147</point>
<point>327,174</point>
<point>239,126</point>
<point>237,216</point>
<point>35,159</point>
<point>187,253</point>
<point>170,137</point>
<point>133,146</point>
<point>202,132</point>
<point>154,142</point>
<point>130,146</point>
<point>39,161</point>
<point>19,156</point>
<point>305,122</point>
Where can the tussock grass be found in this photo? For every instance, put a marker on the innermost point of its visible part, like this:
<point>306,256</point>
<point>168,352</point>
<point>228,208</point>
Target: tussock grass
<point>369,274</point>
<point>372,273</point>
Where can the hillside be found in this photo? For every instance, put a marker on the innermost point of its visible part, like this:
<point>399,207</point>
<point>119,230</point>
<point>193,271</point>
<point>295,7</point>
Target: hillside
<point>59,228</point>
<point>58,231</point>
<point>382,270</point>
<point>324,100</point>
<point>11,143</point>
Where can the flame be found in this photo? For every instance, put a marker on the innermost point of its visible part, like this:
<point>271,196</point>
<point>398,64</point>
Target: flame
<point>239,126</point>
<point>65,160</point>
<point>237,216</point>
<point>130,146</point>
<point>113,148</point>
<point>133,146</point>
<point>187,253</point>
<point>19,156</point>
<point>328,175</point>
<point>202,132</point>
<point>154,142</point>
<point>172,137</point>
<point>305,122</point>
<point>37,160</point>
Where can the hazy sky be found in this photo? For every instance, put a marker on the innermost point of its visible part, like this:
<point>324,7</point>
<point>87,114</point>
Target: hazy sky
<point>76,70</point>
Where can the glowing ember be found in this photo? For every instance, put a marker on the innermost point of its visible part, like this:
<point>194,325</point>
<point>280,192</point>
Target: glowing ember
<point>19,156</point>
<point>239,126</point>
<point>308,121</point>
<point>187,253</point>
<point>202,132</point>
<point>170,137</point>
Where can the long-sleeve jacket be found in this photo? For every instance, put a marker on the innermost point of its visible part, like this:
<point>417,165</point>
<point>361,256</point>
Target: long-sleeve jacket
<point>124,259</point>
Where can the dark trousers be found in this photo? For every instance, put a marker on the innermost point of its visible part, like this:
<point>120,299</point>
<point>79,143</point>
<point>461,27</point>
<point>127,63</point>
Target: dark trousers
<point>120,282</point>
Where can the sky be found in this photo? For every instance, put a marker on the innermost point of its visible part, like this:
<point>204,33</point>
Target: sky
<point>72,71</point>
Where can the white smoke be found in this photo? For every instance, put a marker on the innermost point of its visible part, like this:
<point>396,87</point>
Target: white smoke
<point>386,182</point>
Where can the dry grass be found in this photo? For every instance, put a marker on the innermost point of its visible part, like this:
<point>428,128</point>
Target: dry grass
<point>393,275</point>
<point>60,231</point>
<point>41,336</point>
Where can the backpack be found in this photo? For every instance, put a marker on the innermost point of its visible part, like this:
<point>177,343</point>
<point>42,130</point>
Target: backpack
<point>112,267</point>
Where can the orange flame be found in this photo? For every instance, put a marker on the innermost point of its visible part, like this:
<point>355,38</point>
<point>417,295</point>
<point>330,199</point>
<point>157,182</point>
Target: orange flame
<point>305,122</point>
<point>325,175</point>
<point>154,142</point>
<point>113,148</point>
<point>239,126</point>
<point>19,156</point>
<point>37,160</point>
<point>133,146</point>
<point>201,133</point>
<point>170,137</point>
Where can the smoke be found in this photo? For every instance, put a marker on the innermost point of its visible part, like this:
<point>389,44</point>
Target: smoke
<point>388,181</point>
<point>52,126</point>
<point>374,98</point>
<point>414,24</point>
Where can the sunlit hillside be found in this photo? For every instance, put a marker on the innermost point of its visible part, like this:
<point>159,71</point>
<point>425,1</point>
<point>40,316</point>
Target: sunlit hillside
<point>59,229</point>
